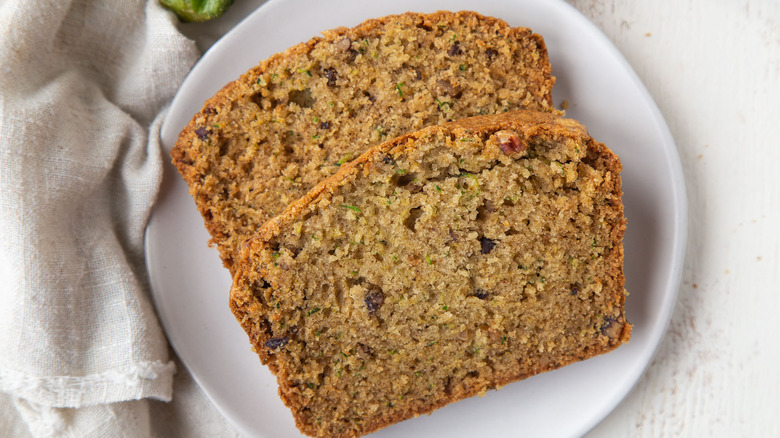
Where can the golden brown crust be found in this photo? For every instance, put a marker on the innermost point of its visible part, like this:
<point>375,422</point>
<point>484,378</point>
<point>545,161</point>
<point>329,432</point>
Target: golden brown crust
<point>231,212</point>
<point>247,308</point>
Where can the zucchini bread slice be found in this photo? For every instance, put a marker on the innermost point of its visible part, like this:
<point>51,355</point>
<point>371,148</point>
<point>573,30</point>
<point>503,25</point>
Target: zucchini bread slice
<point>436,266</point>
<point>267,138</point>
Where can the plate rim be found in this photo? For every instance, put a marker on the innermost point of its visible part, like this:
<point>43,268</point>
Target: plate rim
<point>670,153</point>
<point>680,228</point>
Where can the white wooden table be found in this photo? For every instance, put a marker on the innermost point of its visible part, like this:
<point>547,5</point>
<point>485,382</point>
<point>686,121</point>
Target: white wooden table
<point>713,67</point>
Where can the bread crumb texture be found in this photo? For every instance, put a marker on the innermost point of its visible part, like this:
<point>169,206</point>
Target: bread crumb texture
<point>267,138</point>
<point>437,266</point>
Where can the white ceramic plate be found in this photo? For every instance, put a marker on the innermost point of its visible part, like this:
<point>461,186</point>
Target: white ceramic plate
<point>190,287</point>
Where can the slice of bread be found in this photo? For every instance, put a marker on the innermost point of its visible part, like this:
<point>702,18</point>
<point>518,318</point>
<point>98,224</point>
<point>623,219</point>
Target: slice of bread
<point>436,266</point>
<point>267,138</point>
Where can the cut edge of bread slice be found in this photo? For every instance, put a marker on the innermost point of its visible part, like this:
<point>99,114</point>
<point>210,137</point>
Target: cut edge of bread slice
<point>253,282</point>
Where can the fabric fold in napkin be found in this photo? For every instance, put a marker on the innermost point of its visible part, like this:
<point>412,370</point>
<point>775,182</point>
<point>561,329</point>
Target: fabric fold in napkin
<point>82,87</point>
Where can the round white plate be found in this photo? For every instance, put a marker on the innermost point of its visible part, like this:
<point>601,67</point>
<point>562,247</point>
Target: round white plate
<point>190,287</point>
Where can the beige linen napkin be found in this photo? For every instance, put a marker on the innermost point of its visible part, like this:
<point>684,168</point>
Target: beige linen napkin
<point>82,86</point>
